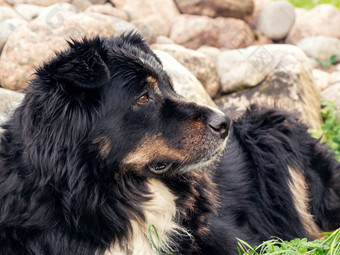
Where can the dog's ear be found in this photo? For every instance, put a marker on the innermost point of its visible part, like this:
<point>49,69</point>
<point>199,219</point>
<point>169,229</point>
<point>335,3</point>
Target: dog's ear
<point>81,65</point>
<point>135,39</point>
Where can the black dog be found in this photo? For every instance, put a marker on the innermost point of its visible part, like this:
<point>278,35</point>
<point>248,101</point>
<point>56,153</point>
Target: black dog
<point>102,152</point>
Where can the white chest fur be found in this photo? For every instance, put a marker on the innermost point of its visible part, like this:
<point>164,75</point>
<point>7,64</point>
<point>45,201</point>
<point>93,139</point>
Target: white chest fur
<point>160,211</point>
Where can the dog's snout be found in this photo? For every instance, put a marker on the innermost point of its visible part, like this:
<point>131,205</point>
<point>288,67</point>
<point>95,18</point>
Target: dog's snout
<point>219,123</point>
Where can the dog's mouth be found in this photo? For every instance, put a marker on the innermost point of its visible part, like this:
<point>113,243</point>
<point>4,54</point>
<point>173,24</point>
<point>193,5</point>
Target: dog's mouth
<point>167,165</point>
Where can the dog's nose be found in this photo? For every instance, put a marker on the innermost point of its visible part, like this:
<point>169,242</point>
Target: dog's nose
<point>219,124</point>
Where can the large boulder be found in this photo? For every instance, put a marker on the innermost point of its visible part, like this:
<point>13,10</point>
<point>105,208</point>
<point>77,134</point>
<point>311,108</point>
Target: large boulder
<point>217,8</point>
<point>28,11</point>
<point>276,19</point>
<point>320,47</point>
<point>284,80</point>
<point>185,83</point>
<point>8,13</point>
<point>7,27</point>
<point>323,20</point>
<point>193,31</point>
<point>158,14</point>
<point>197,63</point>
<point>29,45</point>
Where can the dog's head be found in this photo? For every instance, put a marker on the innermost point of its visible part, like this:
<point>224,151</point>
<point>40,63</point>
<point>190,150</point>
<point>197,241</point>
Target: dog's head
<point>138,122</point>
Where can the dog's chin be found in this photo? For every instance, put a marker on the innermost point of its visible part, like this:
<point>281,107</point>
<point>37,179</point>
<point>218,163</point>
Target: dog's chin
<point>207,162</point>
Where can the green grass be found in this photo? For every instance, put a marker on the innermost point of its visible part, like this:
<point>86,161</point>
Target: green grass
<point>308,4</point>
<point>330,133</point>
<point>329,245</point>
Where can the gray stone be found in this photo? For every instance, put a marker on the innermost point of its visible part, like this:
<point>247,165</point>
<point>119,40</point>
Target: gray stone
<point>285,81</point>
<point>323,20</point>
<point>244,68</point>
<point>332,94</point>
<point>276,19</point>
<point>320,47</point>
<point>6,29</point>
<point>197,63</point>
<point>185,83</point>
<point>28,11</point>
<point>258,7</point>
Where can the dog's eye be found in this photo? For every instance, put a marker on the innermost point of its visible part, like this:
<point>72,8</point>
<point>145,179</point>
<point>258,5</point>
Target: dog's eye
<point>143,99</point>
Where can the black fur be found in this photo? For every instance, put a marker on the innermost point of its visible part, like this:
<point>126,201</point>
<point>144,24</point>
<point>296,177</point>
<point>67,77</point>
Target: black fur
<point>66,186</point>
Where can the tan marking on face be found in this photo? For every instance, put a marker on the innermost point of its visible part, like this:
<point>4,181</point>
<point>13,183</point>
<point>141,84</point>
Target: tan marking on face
<point>152,81</point>
<point>161,212</point>
<point>151,149</point>
<point>197,125</point>
<point>104,146</point>
<point>298,187</point>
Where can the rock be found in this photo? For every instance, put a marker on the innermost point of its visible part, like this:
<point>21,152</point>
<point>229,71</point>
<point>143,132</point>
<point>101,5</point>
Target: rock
<point>332,93</point>
<point>55,15</point>
<point>313,63</point>
<point>107,10</point>
<point>4,3</point>
<point>9,100</point>
<point>31,44</point>
<point>194,31</point>
<point>81,4</point>
<point>163,40</point>
<point>184,82</point>
<point>8,13</point>
<point>258,7</point>
<point>6,29</point>
<point>36,2</point>
<point>313,23</point>
<point>147,30</point>
<point>197,63</point>
<point>122,26</point>
<point>158,14</point>
<point>334,78</point>
<point>98,1</point>
<point>284,80</point>
<point>211,52</point>
<point>28,11</point>
<point>320,47</point>
<point>321,79</point>
<point>217,8</point>
<point>276,19</point>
